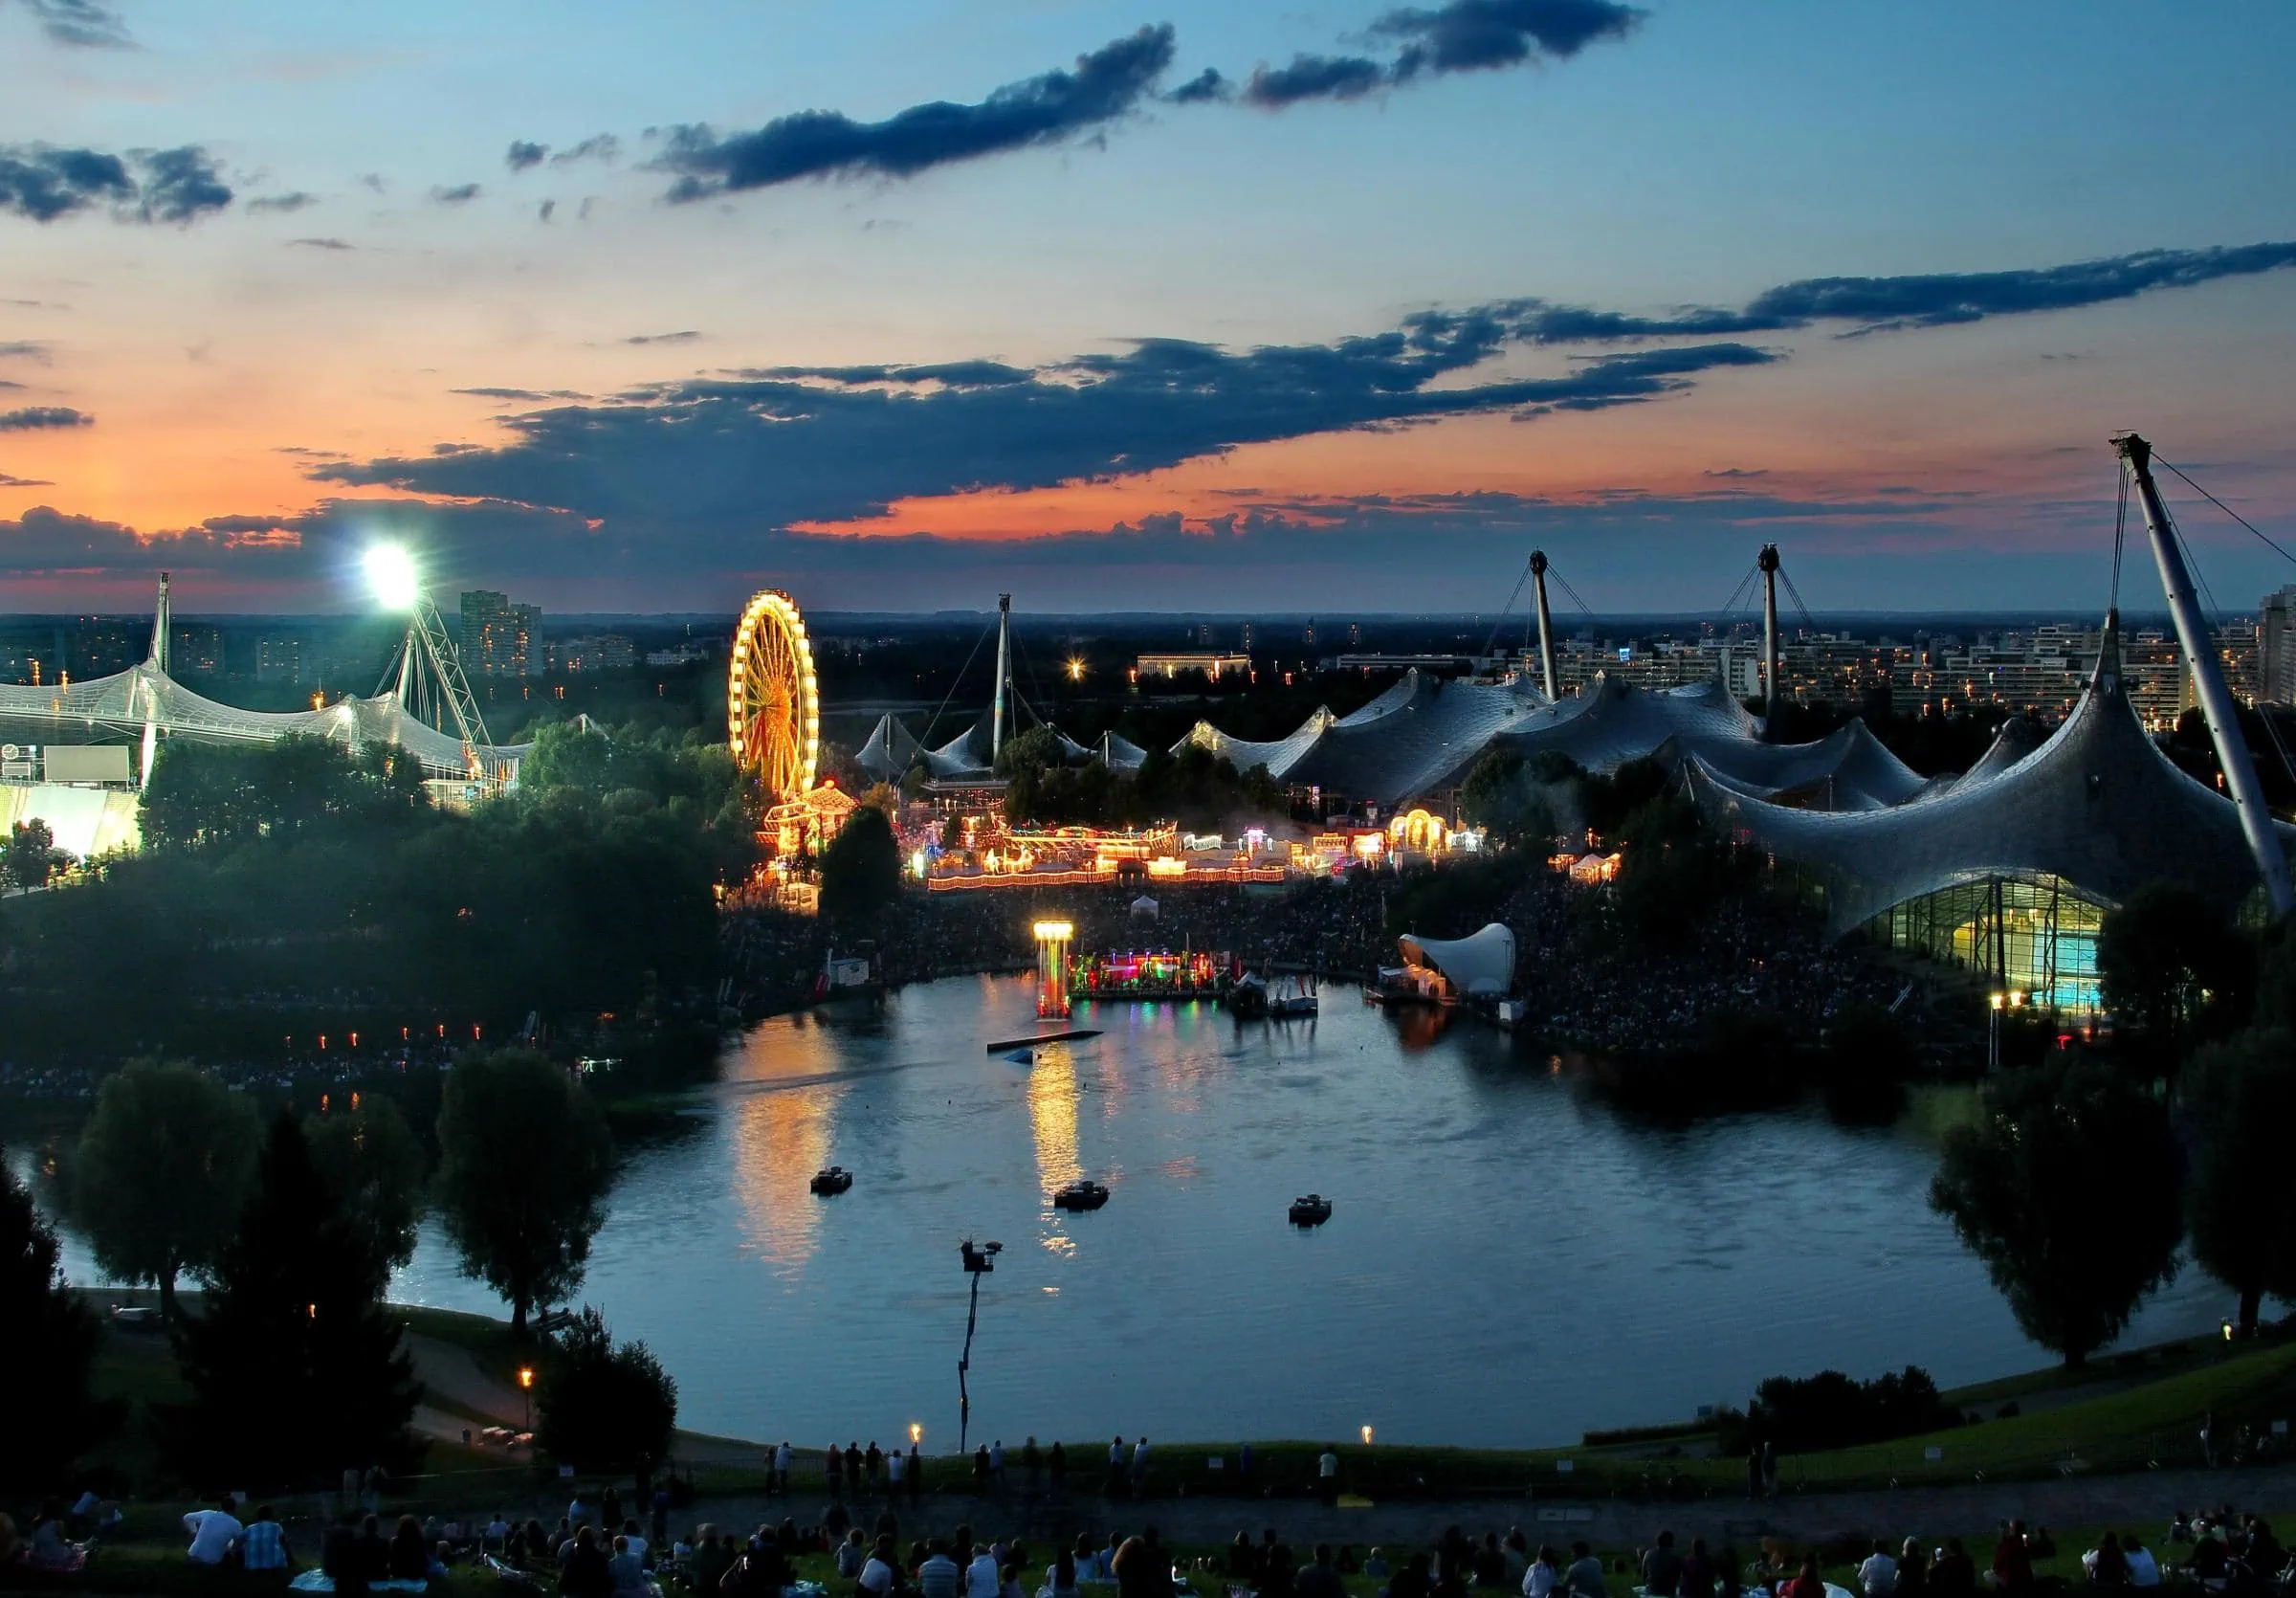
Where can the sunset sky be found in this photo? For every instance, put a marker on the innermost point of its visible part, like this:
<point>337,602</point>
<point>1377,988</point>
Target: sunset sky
<point>1205,306</point>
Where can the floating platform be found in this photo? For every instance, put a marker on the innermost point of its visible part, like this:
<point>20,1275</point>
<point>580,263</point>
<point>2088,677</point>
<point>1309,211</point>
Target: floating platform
<point>1073,1034</point>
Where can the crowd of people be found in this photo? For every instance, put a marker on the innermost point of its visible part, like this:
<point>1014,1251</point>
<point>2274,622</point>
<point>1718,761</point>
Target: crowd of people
<point>598,1549</point>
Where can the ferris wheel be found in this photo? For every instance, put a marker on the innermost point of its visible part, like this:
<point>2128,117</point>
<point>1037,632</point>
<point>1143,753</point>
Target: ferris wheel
<point>772,710</point>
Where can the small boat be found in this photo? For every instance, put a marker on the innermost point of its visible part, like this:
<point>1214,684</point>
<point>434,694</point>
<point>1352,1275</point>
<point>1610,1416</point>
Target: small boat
<point>1312,1211</point>
<point>1248,996</point>
<point>1080,1195</point>
<point>836,1179</point>
<point>1023,1057</point>
<point>1292,1000</point>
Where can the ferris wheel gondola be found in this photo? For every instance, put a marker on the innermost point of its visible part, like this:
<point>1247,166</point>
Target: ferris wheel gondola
<point>773,709</point>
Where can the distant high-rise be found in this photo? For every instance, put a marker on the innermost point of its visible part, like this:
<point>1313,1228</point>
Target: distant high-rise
<point>1247,638</point>
<point>1355,634</point>
<point>499,638</point>
<point>279,659</point>
<point>2276,648</point>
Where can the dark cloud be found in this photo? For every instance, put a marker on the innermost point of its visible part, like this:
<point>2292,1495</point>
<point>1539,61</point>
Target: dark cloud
<point>1206,85</point>
<point>598,147</point>
<point>1106,85</point>
<point>5,382</point>
<point>523,155</point>
<point>320,244</point>
<point>9,482</point>
<point>24,349</point>
<point>460,194</point>
<point>180,185</point>
<point>546,209</point>
<point>955,374</point>
<point>43,416</point>
<point>1925,299</point>
<point>1469,36</point>
<point>286,203</point>
<point>45,183</point>
<point>372,179</point>
<point>81,23</point>
<point>683,336</point>
<point>1314,78</point>
<point>1465,35</point>
<point>534,396</point>
<point>710,455</point>
<point>1738,472</point>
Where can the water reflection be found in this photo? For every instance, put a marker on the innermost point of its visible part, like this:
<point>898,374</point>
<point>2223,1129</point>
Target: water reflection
<point>1053,1095</point>
<point>782,1117</point>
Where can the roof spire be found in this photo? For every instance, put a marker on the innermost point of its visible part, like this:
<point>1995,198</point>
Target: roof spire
<point>2106,678</point>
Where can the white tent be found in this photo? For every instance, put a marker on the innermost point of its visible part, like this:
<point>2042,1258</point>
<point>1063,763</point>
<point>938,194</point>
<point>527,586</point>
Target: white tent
<point>1144,908</point>
<point>1480,966</point>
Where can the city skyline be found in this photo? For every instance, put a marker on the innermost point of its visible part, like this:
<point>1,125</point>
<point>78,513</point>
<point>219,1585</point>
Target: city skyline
<point>1129,311</point>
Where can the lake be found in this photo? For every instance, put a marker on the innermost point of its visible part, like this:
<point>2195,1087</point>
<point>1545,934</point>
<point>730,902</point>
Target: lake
<point>1511,1262</point>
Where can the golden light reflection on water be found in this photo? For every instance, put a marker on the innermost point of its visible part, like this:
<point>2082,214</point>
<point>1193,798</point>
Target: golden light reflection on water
<point>780,1137</point>
<point>1053,1097</point>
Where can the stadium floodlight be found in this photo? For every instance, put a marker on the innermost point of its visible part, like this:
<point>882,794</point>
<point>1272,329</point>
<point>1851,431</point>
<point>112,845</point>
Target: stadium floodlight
<point>391,574</point>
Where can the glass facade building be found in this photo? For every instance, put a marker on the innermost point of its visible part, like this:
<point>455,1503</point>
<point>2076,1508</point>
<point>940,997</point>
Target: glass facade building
<point>2035,935</point>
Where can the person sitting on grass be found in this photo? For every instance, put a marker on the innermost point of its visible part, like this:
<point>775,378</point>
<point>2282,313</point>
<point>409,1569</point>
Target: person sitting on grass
<point>1808,1584</point>
<point>1697,1575</point>
<point>2144,1571</point>
<point>2106,1564</point>
<point>881,1574</point>
<point>1877,1577</point>
<point>1375,1565</point>
<point>1317,1578</point>
<point>938,1577</point>
<point>2208,1562</point>
<point>587,1573</point>
<point>628,1570</point>
<point>212,1531</point>
<point>263,1544</point>
<point>342,1559</point>
<point>1584,1579</point>
<point>1060,1581</point>
<point>1543,1576</point>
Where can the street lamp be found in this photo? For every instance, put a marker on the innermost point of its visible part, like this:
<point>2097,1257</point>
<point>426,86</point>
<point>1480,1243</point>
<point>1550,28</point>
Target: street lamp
<point>526,1388</point>
<point>1367,1435</point>
<point>917,1434</point>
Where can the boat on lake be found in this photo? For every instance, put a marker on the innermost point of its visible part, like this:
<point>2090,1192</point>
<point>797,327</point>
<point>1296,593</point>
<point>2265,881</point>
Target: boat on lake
<point>831,1180</point>
<point>1080,1195</point>
<point>1314,1209</point>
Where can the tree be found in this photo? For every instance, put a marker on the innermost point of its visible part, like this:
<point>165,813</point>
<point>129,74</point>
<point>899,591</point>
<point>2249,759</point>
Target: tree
<point>861,868</point>
<point>372,1168</point>
<point>524,1163</point>
<point>2067,1190</point>
<point>29,856</point>
<point>568,754</point>
<point>52,1413</point>
<point>604,1408</point>
<point>295,1365</point>
<point>2240,1204</point>
<point>162,1173</point>
<point>2173,971</point>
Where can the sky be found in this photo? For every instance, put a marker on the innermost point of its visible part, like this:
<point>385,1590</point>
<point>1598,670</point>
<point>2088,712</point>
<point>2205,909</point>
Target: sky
<point>1339,306</point>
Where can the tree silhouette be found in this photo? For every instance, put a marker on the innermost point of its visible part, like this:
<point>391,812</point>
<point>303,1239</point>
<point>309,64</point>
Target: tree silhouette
<point>524,1163</point>
<point>2241,1207</point>
<point>52,1413</point>
<point>161,1172</point>
<point>2068,1191</point>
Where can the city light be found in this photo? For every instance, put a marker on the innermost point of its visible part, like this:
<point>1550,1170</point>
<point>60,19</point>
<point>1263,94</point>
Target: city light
<point>390,573</point>
<point>1075,668</point>
<point>917,1434</point>
<point>1367,1435</point>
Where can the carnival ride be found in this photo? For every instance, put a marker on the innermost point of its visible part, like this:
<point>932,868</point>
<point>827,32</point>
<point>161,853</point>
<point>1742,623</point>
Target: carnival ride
<point>772,699</point>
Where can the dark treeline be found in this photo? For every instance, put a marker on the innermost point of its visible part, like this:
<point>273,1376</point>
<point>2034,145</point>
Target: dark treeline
<point>293,889</point>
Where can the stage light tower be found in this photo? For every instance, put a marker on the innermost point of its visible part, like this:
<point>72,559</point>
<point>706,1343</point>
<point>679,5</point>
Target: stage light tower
<point>430,670</point>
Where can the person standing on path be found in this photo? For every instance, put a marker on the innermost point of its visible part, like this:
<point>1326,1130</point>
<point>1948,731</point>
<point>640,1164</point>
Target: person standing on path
<point>1115,1466</point>
<point>834,1465</point>
<point>1060,1470</point>
<point>1032,1466</point>
<point>1139,1469</point>
<point>782,1458</point>
<point>916,1477</point>
<point>1327,1477</point>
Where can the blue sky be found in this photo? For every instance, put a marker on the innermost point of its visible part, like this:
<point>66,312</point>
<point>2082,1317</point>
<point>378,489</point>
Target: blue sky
<point>1693,155</point>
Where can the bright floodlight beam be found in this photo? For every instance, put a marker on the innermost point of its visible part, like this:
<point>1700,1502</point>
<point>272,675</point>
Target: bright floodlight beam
<point>390,573</point>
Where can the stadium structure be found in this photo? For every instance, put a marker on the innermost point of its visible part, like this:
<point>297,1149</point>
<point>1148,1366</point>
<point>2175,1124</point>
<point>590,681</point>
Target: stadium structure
<point>145,706</point>
<point>2008,869</point>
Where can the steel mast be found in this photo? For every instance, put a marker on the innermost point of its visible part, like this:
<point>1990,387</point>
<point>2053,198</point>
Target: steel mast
<point>2217,705</point>
<point>1766,561</point>
<point>1546,623</point>
<point>996,715</point>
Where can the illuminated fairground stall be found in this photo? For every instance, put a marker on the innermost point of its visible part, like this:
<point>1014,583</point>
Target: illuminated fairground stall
<point>1150,974</point>
<point>1052,967</point>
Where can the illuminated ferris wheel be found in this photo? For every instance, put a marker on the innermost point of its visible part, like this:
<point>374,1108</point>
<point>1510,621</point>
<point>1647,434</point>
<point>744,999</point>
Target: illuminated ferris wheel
<point>772,711</point>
